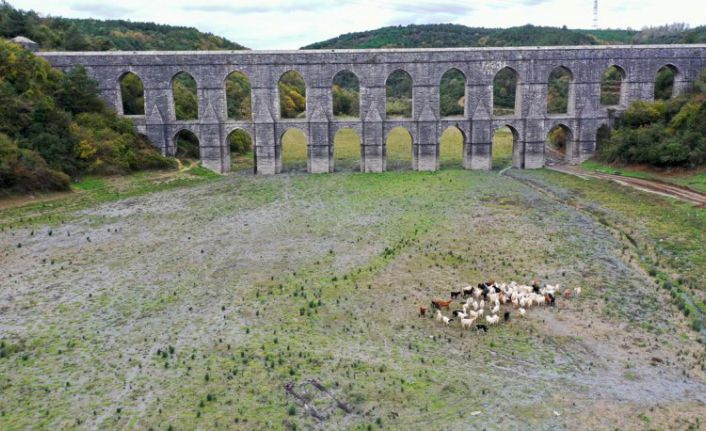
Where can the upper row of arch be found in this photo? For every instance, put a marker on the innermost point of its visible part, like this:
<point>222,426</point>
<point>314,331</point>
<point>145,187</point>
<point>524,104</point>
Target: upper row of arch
<point>515,81</point>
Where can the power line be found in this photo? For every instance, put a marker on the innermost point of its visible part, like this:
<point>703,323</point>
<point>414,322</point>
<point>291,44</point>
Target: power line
<point>595,14</point>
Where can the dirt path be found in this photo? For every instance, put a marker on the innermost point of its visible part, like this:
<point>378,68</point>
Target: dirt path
<point>650,186</point>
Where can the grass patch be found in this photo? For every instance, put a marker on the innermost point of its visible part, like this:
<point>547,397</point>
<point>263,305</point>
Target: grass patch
<point>694,179</point>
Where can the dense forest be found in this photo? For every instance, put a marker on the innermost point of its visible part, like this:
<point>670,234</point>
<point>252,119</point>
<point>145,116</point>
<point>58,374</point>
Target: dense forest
<point>55,33</point>
<point>54,127</point>
<point>454,35</point>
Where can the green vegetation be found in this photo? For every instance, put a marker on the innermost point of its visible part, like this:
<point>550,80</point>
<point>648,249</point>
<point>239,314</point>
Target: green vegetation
<point>694,179</point>
<point>452,92</point>
<point>663,133</point>
<point>190,278</point>
<point>398,89</point>
<point>346,95</point>
<point>666,237</point>
<point>451,149</point>
<point>186,101</point>
<point>557,140</point>
<point>294,151</point>
<point>398,148</point>
<point>54,126</point>
<point>611,83</point>
<point>132,93</point>
<point>558,88</point>
<point>664,83</point>
<point>238,96</point>
<point>504,90</point>
<point>454,35</point>
<point>69,34</point>
<point>292,95</point>
<point>187,146</point>
<point>502,148</point>
<point>346,151</point>
<point>240,142</point>
<point>90,191</point>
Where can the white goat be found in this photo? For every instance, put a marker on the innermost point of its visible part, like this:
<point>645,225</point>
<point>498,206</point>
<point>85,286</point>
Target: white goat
<point>492,320</point>
<point>493,297</point>
<point>467,323</point>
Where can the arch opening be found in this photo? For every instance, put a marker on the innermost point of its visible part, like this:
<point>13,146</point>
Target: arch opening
<point>504,150</point>
<point>238,96</point>
<point>292,95</point>
<point>602,135</point>
<point>559,91</point>
<point>187,145</point>
<point>295,151</point>
<point>398,149</point>
<point>558,146</point>
<point>399,99</point>
<point>346,150</point>
<point>451,148</point>
<point>612,86</point>
<point>186,102</point>
<point>505,92</point>
<point>664,82</point>
<point>242,154</point>
<point>132,93</point>
<point>452,93</point>
<point>346,95</point>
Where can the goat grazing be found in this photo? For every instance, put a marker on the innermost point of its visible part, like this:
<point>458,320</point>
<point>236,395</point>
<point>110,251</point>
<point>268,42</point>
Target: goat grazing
<point>438,304</point>
<point>467,323</point>
<point>492,320</point>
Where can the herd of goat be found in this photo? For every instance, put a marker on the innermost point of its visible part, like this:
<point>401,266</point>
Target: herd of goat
<point>519,296</point>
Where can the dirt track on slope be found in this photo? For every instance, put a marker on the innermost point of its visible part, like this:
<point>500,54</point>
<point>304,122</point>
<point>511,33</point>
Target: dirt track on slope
<point>650,186</point>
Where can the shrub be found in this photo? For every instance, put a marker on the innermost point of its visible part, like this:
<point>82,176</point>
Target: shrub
<point>54,126</point>
<point>664,133</point>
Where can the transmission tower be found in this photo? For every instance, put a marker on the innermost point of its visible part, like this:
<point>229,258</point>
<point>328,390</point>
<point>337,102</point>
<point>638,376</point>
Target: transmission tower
<point>595,14</point>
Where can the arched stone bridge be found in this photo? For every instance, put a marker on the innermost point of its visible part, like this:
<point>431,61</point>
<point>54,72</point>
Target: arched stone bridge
<point>530,122</point>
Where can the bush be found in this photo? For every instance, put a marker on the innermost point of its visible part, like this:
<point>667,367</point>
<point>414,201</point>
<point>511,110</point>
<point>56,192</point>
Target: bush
<point>666,133</point>
<point>53,126</point>
<point>23,170</point>
<point>240,143</point>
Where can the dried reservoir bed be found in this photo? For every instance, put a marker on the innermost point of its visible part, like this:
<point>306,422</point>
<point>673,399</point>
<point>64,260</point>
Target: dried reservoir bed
<point>191,308</point>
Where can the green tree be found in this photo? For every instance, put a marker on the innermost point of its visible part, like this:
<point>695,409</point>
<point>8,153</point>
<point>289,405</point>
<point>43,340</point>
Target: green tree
<point>132,93</point>
<point>399,94</point>
<point>186,105</point>
<point>238,98</point>
<point>59,126</point>
<point>292,95</point>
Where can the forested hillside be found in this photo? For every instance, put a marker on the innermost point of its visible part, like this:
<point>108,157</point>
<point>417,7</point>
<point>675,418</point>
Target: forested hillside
<point>54,127</point>
<point>56,33</point>
<point>454,35</point>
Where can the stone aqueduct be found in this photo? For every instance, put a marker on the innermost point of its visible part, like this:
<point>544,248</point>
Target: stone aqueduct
<point>530,122</point>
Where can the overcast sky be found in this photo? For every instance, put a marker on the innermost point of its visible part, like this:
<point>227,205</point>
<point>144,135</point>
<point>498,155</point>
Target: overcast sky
<point>290,24</point>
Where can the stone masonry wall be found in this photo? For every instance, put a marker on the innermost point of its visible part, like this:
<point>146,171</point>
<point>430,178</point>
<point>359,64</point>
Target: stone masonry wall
<point>530,123</point>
